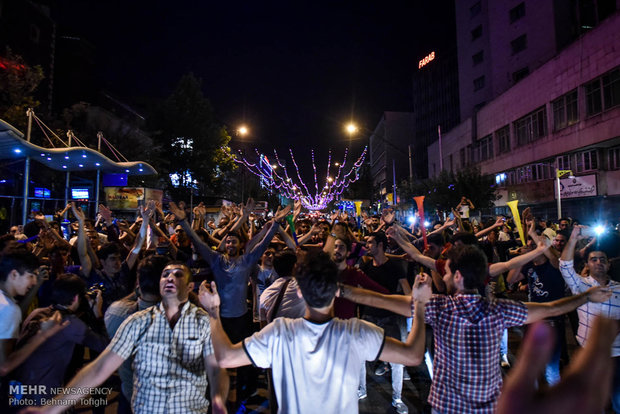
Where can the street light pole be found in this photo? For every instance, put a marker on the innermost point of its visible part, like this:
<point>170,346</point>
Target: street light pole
<point>559,173</point>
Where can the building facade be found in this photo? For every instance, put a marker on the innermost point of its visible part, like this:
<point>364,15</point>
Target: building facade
<point>565,115</point>
<point>389,151</point>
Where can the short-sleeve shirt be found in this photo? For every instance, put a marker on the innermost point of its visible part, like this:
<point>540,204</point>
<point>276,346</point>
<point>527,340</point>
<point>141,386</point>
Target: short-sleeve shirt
<point>545,283</point>
<point>315,366</point>
<point>169,364</point>
<point>10,317</point>
<point>292,306</point>
<point>387,275</point>
<point>468,329</point>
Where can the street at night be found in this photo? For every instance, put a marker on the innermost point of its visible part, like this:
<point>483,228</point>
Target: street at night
<point>310,207</point>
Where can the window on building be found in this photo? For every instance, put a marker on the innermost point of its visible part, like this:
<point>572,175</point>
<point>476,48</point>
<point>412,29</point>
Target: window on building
<point>611,88</point>
<point>476,33</point>
<point>485,146</point>
<point>586,161</point>
<point>517,12</point>
<point>518,44</point>
<point>565,110</point>
<point>563,162</point>
<point>477,58</point>
<point>503,140</point>
<point>603,93</point>
<point>475,10</point>
<point>593,97</point>
<point>614,158</point>
<point>531,127</point>
<point>520,74</point>
<point>479,83</point>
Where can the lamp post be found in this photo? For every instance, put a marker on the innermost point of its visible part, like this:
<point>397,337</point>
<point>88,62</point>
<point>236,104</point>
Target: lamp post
<point>558,174</point>
<point>242,131</point>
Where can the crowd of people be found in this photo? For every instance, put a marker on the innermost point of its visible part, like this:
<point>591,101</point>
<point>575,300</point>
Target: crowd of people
<point>191,313</point>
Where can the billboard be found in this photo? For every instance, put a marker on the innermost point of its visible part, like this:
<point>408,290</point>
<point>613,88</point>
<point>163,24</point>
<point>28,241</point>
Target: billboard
<point>582,186</point>
<point>129,198</point>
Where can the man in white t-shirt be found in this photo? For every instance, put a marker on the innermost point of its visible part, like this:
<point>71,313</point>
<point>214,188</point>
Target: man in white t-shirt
<point>316,359</point>
<point>18,277</point>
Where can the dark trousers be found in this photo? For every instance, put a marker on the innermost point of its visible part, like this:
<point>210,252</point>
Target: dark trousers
<point>237,330</point>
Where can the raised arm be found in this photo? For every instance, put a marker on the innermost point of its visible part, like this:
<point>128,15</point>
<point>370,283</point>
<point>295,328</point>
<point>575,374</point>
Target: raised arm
<point>85,262</point>
<point>146,213</point>
<point>228,355</point>
<point>531,231</point>
<point>411,250</point>
<point>498,223</point>
<point>569,250</point>
<point>201,247</point>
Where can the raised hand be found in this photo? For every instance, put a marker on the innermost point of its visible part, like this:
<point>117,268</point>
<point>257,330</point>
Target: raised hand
<point>296,208</point>
<point>209,298</point>
<point>178,212</point>
<point>421,290</point>
<point>78,213</point>
<point>281,214</point>
<point>388,216</point>
<point>106,213</point>
<point>249,207</point>
<point>147,211</point>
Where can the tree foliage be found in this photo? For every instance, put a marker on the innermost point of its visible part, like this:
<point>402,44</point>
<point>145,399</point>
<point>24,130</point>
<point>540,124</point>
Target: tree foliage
<point>191,139</point>
<point>18,81</point>
<point>445,191</point>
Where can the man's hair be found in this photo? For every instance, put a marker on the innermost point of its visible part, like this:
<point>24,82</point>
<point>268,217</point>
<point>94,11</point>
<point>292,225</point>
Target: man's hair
<point>436,238</point>
<point>465,238</point>
<point>380,237</point>
<point>317,277</point>
<point>107,249</point>
<point>234,234</point>
<point>565,232</point>
<point>325,223</point>
<point>564,219</point>
<point>471,262</point>
<point>17,257</point>
<point>284,262</point>
<point>65,287</point>
<point>346,241</point>
<point>149,272</point>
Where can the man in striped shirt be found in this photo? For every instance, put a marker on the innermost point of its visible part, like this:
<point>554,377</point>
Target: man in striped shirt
<point>173,356</point>
<point>598,275</point>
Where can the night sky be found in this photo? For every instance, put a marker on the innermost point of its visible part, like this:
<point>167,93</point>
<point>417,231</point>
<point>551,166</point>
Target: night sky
<point>293,72</point>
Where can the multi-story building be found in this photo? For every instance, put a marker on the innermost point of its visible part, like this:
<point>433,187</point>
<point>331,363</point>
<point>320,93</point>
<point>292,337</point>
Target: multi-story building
<point>435,102</point>
<point>565,115</point>
<point>389,151</point>
<point>502,42</point>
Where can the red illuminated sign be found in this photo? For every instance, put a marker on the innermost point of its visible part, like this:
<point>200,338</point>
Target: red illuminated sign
<point>423,62</point>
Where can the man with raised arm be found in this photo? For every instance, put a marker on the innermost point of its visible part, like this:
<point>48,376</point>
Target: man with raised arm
<point>316,359</point>
<point>231,271</point>
<point>598,268</point>
<point>468,328</point>
<point>173,356</point>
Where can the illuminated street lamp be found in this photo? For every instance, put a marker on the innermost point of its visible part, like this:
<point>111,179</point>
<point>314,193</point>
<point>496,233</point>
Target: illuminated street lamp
<point>243,130</point>
<point>351,128</point>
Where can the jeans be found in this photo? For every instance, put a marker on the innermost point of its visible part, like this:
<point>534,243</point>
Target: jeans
<point>552,370</point>
<point>394,326</point>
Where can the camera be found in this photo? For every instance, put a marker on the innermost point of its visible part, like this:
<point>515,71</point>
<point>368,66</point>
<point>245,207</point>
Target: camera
<point>92,291</point>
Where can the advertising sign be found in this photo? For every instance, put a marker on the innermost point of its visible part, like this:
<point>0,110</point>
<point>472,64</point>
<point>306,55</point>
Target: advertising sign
<point>583,186</point>
<point>124,198</point>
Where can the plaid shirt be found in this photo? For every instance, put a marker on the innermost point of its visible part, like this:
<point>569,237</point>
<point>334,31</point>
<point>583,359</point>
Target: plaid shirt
<point>468,329</point>
<point>589,310</point>
<point>169,364</point>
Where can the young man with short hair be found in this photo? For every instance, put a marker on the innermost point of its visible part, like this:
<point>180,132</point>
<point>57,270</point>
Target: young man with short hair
<point>468,328</point>
<point>173,356</point>
<point>316,359</point>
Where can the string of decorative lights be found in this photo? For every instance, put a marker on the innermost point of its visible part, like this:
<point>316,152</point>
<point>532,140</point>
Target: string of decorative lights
<point>282,182</point>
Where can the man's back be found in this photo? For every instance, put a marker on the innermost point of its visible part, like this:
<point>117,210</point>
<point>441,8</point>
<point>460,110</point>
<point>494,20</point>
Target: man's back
<point>315,366</point>
<point>467,331</point>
